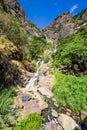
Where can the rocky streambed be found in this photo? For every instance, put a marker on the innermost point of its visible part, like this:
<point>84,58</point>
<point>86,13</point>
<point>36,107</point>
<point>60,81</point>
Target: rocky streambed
<point>39,98</point>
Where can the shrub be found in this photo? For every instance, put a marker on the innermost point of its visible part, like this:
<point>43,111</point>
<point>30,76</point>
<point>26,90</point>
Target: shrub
<point>46,58</point>
<point>33,121</point>
<point>37,47</point>
<point>7,118</point>
<point>73,50</point>
<point>14,32</point>
<point>71,91</point>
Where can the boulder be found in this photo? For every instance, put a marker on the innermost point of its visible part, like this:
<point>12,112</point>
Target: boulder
<point>30,107</point>
<point>43,105</point>
<point>20,100</point>
<point>67,122</point>
<point>52,126</point>
<point>48,81</point>
<point>45,91</point>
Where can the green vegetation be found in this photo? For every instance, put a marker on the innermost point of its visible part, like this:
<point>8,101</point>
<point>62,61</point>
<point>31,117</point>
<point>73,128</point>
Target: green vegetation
<point>33,121</point>
<point>7,118</point>
<point>37,47</point>
<point>79,16</point>
<point>14,32</point>
<point>46,58</point>
<point>12,29</point>
<point>30,47</point>
<point>71,91</point>
<point>72,50</point>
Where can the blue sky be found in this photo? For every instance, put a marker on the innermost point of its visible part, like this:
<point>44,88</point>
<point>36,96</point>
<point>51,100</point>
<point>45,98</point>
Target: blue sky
<point>42,12</point>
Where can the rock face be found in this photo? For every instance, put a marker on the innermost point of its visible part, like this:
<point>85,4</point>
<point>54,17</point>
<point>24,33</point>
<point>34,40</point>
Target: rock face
<point>13,7</point>
<point>14,67</point>
<point>64,25</point>
<point>67,122</point>
<point>11,71</point>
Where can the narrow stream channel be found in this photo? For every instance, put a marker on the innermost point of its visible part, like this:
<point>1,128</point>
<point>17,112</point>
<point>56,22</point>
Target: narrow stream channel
<point>47,113</point>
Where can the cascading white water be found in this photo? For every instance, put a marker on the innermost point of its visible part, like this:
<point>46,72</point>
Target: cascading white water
<point>40,66</point>
<point>36,75</point>
<point>34,78</point>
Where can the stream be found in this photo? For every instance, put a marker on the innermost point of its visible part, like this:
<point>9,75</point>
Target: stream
<point>31,82</point>
<point>47,113</point>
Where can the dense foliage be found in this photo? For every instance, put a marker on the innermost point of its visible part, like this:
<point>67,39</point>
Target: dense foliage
<point>71,91</point>
<point>33,121</point>
<point>7,118</point>
<point>73,50</point>
<point>37,47</point>
<point>12,29</point>
<point>46,58</point>
<point>30,47</point>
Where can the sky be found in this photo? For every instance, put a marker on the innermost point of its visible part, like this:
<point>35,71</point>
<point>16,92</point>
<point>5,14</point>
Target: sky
<point>42,12</point>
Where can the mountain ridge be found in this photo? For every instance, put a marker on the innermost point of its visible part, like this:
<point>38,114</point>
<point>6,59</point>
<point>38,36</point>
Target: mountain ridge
<point>64,25</point>
<point>14,8</point>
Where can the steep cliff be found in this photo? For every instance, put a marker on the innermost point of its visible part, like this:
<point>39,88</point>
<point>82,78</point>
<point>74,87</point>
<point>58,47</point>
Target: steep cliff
<point>13,7</point>
<point>64,25</point>
<point>16,34</point>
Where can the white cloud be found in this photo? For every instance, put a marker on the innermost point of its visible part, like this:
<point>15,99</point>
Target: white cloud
<point>73,8</point>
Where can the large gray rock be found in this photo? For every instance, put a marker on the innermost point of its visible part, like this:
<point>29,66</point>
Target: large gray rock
<point>67,122</point>
<point>52,126</point>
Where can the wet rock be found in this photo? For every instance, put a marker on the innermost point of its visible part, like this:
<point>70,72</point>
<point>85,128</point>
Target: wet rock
<point>67,122</point>
<point>84,118</point>
<point>83,115</point>
<point>20,100</point>
<point>54,113</point>
<point>25,98</point>
<point>52,126</point>
<point>45,91</point>
<point>43,105</point>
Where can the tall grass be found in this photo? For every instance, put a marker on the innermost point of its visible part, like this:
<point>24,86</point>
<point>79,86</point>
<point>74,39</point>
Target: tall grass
<point>7,119</point>
<point>32,122</point>
<point>71,91</point>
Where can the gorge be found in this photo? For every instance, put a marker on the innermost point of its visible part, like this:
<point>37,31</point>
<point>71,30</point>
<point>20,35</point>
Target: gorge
<point>43,73</point>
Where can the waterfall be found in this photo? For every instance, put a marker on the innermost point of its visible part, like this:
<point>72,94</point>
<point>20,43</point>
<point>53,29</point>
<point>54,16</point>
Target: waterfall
<point>31,82</point>
<point>35,77</point>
